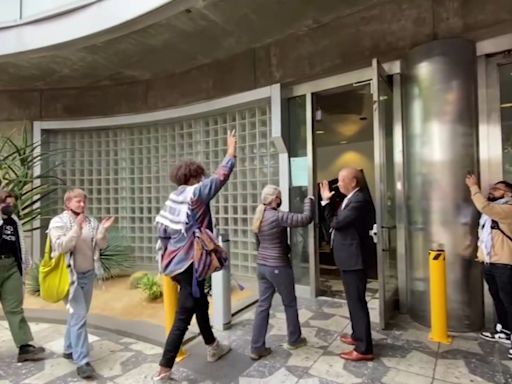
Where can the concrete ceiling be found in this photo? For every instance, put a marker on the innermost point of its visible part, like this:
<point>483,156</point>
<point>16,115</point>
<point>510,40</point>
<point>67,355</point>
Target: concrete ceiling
<point>207,31</point>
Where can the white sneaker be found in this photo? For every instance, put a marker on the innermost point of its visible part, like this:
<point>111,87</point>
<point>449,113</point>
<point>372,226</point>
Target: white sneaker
<point>501,335</point>
<point>215,351</point>
<point>163,378</point>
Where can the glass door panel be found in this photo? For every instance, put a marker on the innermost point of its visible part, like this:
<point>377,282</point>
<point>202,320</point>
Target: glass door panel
<point>299,185</point>
<point>386,229</point>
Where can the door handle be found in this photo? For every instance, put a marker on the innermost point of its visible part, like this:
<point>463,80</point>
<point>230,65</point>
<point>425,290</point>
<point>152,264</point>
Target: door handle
<point>373,233</point>
<point>386,238</point>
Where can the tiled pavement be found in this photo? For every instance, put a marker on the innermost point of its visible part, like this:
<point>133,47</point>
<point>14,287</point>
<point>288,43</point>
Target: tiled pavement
<point>404,355</point>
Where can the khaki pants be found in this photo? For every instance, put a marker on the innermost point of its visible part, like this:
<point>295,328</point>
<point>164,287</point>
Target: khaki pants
<point>11,297</point>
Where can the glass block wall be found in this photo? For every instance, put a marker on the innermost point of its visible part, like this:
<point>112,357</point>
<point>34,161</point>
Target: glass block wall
<point>125,172</point>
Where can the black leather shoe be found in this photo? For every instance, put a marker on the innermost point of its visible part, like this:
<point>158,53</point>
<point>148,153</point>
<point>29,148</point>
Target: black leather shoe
<point>29,352</point>
<point>258,355</point>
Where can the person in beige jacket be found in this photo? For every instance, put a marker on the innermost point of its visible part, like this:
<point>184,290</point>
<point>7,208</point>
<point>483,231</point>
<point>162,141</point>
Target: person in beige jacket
<point>495,252</point>
<point>80,238</point>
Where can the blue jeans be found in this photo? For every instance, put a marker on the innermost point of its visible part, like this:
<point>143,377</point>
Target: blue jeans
<point>76,340</point>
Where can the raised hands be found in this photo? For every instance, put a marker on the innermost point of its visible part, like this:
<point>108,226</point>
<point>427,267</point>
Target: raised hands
<point>471,180</point>
<point>231,143</point>
<point>325,192</point>
<point>107,221</point>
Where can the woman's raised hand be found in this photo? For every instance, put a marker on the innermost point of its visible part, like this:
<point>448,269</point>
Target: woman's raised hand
<point>231,143</point>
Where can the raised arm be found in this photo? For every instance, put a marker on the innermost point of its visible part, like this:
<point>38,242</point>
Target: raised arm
<point>101,233</point>
<point>498,212</point>
<point>290,219</point>
<point>209,187</point>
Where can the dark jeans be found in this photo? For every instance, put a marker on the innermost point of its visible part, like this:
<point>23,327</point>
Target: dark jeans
<point>270,280</point>
<point>499,280</point>
<point>355,291</point>
<point>188,305</point>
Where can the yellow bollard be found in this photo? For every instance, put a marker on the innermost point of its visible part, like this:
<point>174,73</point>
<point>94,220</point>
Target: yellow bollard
<point>170,293</point>
<point>438,306</point>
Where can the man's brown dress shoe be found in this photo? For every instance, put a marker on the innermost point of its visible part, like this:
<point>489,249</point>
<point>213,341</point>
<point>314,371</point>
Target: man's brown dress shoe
<point>347,339</point>
<point>355,356</point>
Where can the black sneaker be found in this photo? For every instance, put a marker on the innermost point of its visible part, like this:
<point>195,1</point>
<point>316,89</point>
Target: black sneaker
<point>29,352</point>
<point>67,355</point>
<point>500,334</point>
<point>86,371</point>
<point>258,355</point>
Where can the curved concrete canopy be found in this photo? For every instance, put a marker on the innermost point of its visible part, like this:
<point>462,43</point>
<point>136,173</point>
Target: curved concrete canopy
<point>175,37</point>
<point>87,20</point>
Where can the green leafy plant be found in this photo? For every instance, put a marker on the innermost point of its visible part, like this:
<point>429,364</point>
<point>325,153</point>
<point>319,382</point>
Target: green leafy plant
<point>151,286</point>
<point>117,258</point>
<point>17,162</point>
<point>135,279</point>
<point>33,280</point>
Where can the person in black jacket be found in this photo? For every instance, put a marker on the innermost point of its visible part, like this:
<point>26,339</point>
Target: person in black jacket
<point>352,247</point>
<point>13,262</point>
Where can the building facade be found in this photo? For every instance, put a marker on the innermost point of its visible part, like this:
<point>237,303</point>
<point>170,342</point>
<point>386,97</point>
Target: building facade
<point>415,93</point>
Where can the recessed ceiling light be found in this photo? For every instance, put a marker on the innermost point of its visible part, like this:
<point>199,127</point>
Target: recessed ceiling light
<point>320,131</point>
<point>343,142</point>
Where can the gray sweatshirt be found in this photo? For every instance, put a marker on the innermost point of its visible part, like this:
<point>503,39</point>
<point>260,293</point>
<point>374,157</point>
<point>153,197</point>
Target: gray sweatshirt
<point>272,239</point>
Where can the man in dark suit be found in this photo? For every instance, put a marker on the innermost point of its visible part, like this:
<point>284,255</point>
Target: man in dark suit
<point>352,246</point>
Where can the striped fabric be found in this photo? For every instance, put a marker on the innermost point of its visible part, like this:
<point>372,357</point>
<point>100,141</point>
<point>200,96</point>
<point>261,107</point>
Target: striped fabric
<point>272,239</point>
<point>176,212</point>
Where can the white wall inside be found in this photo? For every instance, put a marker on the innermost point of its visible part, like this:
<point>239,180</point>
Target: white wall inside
<point>329,161</point>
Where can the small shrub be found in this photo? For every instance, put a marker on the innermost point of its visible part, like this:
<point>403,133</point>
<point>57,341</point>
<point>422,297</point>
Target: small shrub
<point>117,258</point>
<point>135,279</point>
<point>151,286</point>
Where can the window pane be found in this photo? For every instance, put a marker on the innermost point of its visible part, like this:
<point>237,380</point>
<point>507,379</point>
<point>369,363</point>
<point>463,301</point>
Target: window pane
<point>9,11</point>
<point>506,118</point>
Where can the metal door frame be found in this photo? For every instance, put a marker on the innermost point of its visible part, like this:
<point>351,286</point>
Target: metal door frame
<point>357,76</point>
<point>381,155</point>
<point>489,135</point>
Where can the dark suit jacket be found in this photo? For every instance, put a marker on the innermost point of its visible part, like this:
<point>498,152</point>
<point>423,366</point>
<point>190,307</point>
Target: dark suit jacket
<point>352,244</point>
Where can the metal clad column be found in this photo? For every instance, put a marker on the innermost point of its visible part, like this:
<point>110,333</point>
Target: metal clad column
<point>440,147</point>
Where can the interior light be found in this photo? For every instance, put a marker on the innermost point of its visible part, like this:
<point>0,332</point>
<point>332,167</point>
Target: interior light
<point>343,142</point>
<point>319,131</point>
<point>318,114</point>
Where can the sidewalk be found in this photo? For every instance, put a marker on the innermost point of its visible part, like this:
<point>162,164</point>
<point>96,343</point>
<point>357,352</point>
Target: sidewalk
<point>404,355</point>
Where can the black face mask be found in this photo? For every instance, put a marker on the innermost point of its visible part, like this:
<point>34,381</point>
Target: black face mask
<point>75,213</point>
<point>279,204</point>
<point>493,198</point>
<point>7,210</point>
